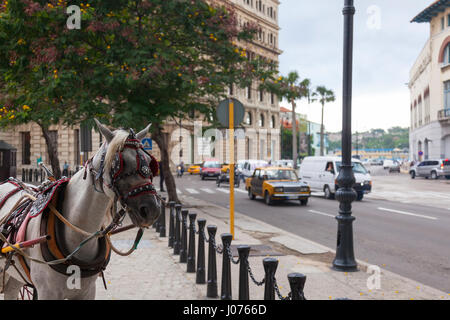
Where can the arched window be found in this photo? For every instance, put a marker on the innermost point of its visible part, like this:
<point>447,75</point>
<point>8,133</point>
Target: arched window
<point>261,120</point>
<point>272,122</point>
<point>446,60</point>
<point>248,118</point>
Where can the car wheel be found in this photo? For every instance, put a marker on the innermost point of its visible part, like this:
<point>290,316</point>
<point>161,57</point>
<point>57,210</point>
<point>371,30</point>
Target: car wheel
<point>218,182</point>
<point>434,175</point>
<point>447,177</point>
<point>267,198</point>
<point>304,202</point>
<point>412,174</point>
<point>250,194</point>
<point>328,194</point>
<point>203,177</point>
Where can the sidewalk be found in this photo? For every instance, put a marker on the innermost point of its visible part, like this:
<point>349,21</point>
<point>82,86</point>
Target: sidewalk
<point>153,272</point>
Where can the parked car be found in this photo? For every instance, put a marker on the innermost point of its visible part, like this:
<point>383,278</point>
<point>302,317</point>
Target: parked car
<point>277,183</point>
<point>395,167</point>
<point>431,169</point>
<point>195,169</point>
<point>249,166</point>
<point>321,173</point>
<point>387,164</point>
<point>376,162</point>
<point>210,169</point>
<point>284,163</point>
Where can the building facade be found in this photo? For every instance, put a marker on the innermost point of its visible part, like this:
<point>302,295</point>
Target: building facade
<point>429,86</point>
<point>259,137</point>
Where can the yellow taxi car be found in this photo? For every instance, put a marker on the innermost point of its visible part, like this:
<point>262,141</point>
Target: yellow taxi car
<point>277,183</point>
<point>195,169</point>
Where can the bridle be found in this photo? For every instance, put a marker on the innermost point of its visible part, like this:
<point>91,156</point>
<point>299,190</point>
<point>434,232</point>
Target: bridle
<point>144,168</point>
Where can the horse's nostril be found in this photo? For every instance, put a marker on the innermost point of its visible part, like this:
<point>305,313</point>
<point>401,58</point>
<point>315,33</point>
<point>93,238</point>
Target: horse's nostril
<point>143,211</point>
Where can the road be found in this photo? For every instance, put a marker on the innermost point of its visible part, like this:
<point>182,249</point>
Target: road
<point>410,239</point>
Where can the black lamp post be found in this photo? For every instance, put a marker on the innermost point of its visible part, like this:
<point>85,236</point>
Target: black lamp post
<point>345,258</point>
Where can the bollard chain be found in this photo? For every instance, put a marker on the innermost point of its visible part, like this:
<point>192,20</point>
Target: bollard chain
<point>277,290</point>
<point>230,255</point>
<point>258,283</point>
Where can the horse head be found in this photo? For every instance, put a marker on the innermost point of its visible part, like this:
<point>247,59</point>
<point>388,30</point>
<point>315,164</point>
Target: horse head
<point>125,172</point>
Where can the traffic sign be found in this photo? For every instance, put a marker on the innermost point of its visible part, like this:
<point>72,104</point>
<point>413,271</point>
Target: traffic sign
<point>147,143</point>
<point>223,116</point>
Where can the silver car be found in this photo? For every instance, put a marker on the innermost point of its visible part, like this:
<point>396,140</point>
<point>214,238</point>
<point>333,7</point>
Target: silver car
<point>431,169</point>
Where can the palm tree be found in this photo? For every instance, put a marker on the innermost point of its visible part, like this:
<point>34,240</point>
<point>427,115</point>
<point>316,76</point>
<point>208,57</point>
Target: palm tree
<point>323,95</point>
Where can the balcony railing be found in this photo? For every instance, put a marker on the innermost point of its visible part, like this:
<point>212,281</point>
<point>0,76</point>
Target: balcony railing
<point>444,115</point>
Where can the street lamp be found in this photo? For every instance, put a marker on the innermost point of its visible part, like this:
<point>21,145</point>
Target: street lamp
<point>345,258</point>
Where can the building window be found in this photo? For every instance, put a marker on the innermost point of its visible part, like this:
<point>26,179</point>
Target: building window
<point>249,92</point>
<point>447,95</point>
<point>446,60</point>
<point>248,118</point>
<point>261,120</point>
<point>231,90</point>
<point>448,20</point>
<point>25,138</point>
<point>76,135</point>
<point>442,23</point>
<point>272,98</point>
<point>272,122</point>
<point>261,95</point>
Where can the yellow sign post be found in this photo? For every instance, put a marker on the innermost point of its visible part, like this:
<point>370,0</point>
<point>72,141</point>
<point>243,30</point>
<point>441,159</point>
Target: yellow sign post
<point>231,138</point>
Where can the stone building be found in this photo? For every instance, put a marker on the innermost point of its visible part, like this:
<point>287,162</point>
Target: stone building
<point>429,86</point>
<point>258,138</point>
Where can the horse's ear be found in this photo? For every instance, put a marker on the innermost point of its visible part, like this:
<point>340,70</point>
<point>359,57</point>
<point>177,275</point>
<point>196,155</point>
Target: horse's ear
<point>141,135</point>
<point>104,131</point>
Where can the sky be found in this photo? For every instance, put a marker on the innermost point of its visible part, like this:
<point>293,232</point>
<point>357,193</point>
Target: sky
<point>386,45</point>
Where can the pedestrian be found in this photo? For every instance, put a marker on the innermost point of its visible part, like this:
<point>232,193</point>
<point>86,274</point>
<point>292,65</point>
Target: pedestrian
<point>161,177</point>
<point>65,169</point>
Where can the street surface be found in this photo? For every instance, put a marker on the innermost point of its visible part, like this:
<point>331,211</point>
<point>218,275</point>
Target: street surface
<point>408,235</point>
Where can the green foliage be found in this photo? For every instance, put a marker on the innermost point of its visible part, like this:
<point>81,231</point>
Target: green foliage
<point>132,62</point>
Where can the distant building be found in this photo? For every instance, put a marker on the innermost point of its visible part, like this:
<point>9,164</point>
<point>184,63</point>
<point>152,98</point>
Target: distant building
<point>305,128</point>
<point>429,86</point>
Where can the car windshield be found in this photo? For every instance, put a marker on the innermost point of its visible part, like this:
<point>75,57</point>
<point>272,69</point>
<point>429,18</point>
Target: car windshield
<point>211,165</point>
<point>281,175</point>
<point>357,167</point>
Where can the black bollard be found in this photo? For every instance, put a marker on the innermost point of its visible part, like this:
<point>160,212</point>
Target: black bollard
<point>30,175</point>
<point>270,267</point>
<point>297,284</point>
<point>24,176</point>
<point>183,247</point>
<point>211,289</point>
<point>36,175</point>
<point>42,175</point>
<point>177,239</point>
<point>226,267</point>
<point>244,292</point>
<point>171,223</point>
<point>162,219</point>
<point>200,275</point>
<point>191,247</point>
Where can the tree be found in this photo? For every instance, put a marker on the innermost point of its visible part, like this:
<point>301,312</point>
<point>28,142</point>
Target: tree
<point>291,89</point>
<point>323,95</point>
<point>132,62</point>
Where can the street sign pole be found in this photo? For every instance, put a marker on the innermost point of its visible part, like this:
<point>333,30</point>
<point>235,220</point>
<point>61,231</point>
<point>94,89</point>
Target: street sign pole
<point>231,137</point>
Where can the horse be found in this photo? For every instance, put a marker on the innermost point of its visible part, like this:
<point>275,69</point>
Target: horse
<point>118,176</point>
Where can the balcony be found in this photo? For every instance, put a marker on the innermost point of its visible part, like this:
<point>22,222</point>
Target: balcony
<point>444,115</point>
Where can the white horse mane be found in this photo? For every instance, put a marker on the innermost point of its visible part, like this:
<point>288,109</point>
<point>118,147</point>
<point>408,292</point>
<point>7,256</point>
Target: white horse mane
<point>116,144</point>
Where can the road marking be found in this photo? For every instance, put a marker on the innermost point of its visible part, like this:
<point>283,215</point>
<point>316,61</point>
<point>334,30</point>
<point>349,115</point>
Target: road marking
<point>179,191</point>
<point>407,213</point>
<point>207,190</point>
<point>192,191</point>
<point>239,190</point>
<point>321,213</point>
<point>223,190</point>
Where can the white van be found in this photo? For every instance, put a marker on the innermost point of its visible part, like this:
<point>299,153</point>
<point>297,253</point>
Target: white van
<point>321,174</point>
<point>249,166</point>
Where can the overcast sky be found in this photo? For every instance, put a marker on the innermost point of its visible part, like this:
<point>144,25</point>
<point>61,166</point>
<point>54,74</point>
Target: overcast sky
<point>386,45</point>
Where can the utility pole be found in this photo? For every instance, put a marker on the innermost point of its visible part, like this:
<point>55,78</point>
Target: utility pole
<point>345,258</point>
